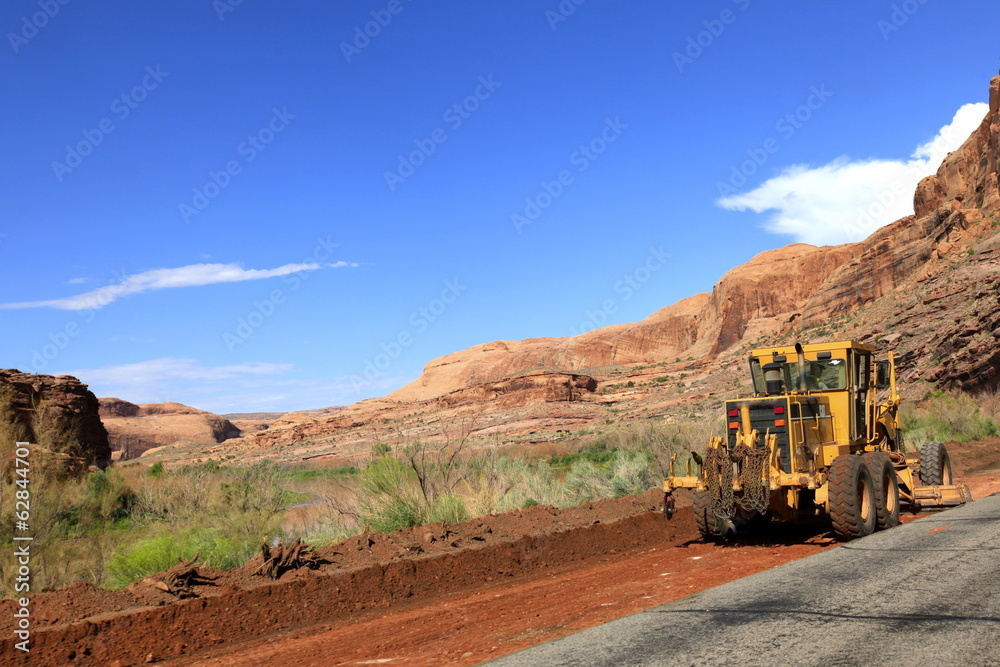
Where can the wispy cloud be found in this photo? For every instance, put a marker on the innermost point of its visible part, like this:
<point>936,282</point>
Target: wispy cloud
<point>244,387</point>
<point>170,368</point>
<point>193,275</point>
<point>846,200</point>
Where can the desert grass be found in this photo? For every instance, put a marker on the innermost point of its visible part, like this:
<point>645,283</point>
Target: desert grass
<point>947,416</point>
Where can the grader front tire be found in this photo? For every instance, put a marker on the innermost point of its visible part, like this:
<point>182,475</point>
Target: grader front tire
<point>935,464</point>
<point>704,517</point>
<point>886,489</point>
<point>852,498</point>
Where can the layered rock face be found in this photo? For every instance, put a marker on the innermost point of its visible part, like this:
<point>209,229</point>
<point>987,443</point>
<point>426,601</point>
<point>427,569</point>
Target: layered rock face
<point>926,287</point>
<point>59,414</point>
<point>133,429</point>
<point>771,285</point>
<point>952,208</point>
<point>791,287</point>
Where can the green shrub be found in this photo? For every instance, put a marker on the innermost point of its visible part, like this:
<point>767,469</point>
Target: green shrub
<point>626,473</point>
<point>392,514</point>
<point>567,460</point>
<point>157,553</point>
<point>944,417</point>
<point>386,502</point>
<point>448,509</point>
<point>323,535</point>
<point>308,474</point>
<point>155,470</point>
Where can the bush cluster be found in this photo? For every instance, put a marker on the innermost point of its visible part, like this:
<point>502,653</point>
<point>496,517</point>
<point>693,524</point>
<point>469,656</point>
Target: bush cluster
<point>950,416</point>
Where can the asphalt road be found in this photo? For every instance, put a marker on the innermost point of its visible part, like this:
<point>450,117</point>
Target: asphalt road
<point>924,593</point>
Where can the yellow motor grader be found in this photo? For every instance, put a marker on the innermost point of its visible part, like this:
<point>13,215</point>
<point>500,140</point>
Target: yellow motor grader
<point>813,440</point>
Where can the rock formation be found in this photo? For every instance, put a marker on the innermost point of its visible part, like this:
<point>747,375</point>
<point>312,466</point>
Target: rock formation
<point>798,284</point>
<point>58,414</point>
<point>926,286</point>
<point>133,429</point>
<point>772,284</point>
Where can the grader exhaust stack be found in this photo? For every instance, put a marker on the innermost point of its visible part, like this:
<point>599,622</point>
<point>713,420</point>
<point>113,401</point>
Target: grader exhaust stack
<point>812,440</point>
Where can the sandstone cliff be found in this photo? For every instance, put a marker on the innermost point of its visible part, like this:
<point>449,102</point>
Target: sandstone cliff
<point>777,291</point>
<point>769,287</point>
<point>926,286</point>
<point>58,414</point>
<point>952,208</point>
<point>133,429</point>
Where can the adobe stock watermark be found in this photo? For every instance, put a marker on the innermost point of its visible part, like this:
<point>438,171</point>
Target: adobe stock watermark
<point>900,16</point>
<point>562,12</point>
<point>698,43</point>
<point>454,117</point>
<point>121,108</point>
<point>419,321</point>
<point>785,127</point>
<point>580,159</point>
<point>363,34</point>
<point>247,151</point>
<point>223,7</point>
<point>264,309</point>
<point>20,475</point>
<point>626,288</point>
<point>59,340</point>
<point>32,24</point>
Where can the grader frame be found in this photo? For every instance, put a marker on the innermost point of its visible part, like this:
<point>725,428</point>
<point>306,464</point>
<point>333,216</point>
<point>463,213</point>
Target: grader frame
<point>814,440</point>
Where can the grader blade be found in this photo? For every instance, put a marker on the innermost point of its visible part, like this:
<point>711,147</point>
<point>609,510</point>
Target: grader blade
<point>926,497</point>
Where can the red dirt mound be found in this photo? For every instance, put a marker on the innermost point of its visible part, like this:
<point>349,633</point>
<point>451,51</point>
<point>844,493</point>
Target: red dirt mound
<point>83,624</point>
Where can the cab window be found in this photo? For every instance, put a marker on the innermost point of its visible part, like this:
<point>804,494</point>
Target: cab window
<point>827,374</point>
<point>758,376</point>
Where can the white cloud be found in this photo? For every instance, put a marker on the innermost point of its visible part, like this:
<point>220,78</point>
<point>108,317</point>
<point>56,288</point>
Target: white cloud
<point>193,275</point>
<point>172,379</point>
<point>846,200</point>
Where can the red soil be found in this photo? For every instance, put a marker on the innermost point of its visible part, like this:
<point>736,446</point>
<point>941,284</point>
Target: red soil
<point>440,594</point>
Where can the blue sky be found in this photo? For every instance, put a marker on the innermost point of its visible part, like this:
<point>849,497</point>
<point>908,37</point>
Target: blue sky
<point>250,206</point>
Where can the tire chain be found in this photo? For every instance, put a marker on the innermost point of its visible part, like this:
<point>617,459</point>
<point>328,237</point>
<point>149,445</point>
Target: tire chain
<point>756,490</point>
<point>718,474</point>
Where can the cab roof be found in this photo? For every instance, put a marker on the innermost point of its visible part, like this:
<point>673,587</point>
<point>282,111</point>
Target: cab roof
<point>814,347</point>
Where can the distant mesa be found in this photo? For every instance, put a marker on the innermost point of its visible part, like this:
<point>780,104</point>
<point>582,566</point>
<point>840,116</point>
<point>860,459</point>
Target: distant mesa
<point>134,429</point>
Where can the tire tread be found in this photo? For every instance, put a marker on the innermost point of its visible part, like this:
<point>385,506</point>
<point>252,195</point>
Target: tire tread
<point>845,506</point>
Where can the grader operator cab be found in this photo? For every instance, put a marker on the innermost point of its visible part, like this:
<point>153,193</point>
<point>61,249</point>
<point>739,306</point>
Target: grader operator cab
<point>814,440</point>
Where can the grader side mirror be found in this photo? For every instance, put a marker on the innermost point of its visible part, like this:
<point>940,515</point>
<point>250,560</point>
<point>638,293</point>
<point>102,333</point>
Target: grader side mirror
<point>882,375</point>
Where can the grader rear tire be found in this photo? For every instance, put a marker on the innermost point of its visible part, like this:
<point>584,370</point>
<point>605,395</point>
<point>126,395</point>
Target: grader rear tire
<point>852,498</point>
<point>886,489</point>
<point>704,517</point>
<point>935,464</point>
